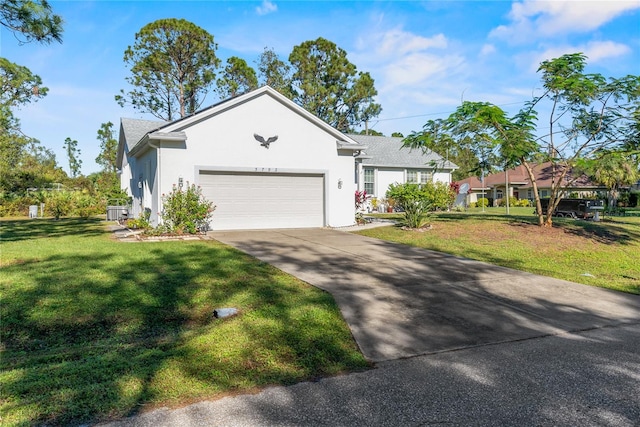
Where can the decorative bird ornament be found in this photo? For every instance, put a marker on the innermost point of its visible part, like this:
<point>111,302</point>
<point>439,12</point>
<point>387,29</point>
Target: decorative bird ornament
<point>262,141</point>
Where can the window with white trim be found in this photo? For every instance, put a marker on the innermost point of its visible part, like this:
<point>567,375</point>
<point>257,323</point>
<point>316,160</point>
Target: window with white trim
<point>412,176</point>
<point>425,177</point>
<point>369,180</point>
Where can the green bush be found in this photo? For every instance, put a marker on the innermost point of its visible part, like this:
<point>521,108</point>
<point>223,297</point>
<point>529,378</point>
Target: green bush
<point>439,195</point>
<point>413,201</point>
<point>13,206</point>
<point>524,203</point>
<point>186,211</point>
<point>512,202</point>
<point>86,205</point>
<point>59,203</point>
<point>482,202</point>
<point>141,223</point>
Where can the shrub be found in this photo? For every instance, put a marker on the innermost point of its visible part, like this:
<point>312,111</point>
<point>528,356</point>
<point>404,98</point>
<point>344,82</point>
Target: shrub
<point>524,203</point>
<point>142,223</point>
<point>360,199</point>
<point>186,211</point>
<point>439,195</point>
<point>413,201</point>
<point>482,202</point>
<point>86,205</point>
<point>10,206</point>
<point>512,202</point>
<point>59,203</point>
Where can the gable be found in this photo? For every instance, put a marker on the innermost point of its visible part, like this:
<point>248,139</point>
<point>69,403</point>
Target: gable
<point>257,107</point>
<point>131,133</point>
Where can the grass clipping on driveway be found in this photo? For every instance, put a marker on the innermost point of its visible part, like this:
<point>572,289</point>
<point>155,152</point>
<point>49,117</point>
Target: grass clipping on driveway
<point>604,254</point>
<point>94,329</point>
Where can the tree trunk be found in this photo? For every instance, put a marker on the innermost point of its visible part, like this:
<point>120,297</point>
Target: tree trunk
<point>534,184</point>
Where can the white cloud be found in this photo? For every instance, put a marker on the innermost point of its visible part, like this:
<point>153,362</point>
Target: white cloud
<point>533,19</point>
<point>596,52</point>
<point>403,58</point>
<point>419,67</point>
<point>266,7</point>
<point>487,49</point>
<point>398,42</point>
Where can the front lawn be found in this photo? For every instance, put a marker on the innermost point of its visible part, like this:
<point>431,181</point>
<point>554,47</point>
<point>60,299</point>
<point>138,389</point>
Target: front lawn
<point>605,254</point>
<point>94,329</point>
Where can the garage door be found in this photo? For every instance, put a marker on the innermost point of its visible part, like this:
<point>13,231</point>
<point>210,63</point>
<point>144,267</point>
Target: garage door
<point>264,200</point>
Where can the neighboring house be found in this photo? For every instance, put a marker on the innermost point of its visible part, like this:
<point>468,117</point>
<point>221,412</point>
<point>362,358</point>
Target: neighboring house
<point>385,161</point>
<point>302,179</point>
<point>520,186</point>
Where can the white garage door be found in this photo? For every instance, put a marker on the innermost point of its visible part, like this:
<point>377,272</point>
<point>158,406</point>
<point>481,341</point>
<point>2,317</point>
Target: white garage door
<point>264,200</point>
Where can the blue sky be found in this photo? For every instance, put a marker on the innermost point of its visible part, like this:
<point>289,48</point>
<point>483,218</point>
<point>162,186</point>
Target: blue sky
<point>425,56</point>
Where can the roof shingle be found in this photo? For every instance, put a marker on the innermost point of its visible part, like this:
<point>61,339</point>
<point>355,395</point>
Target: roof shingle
<point>388,151</point>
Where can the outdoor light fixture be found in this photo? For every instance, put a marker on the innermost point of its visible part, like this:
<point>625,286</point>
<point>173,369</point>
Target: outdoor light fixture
<point>340,183</point>
<point>180,182</point>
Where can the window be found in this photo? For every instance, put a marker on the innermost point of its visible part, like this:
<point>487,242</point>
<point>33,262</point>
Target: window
<point>369,180</point>
<point>425,177</point>
<point>412,176</point>
<point>499,194</point>
<point>543,193</point>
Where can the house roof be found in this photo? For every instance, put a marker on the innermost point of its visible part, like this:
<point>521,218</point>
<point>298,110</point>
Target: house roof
<point>137,133</point>
<point>518,176</point>
<point>388,151</point>
<point>135,129</point>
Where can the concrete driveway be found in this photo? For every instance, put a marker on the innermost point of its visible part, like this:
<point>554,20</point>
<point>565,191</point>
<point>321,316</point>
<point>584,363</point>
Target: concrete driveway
<point>401,301</point>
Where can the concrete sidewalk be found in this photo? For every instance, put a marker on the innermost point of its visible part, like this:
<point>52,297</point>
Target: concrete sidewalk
<point>401,301</point>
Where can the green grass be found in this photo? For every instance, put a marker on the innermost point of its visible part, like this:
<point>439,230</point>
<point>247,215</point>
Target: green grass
<point>604,254</point>
<point>94,329</point>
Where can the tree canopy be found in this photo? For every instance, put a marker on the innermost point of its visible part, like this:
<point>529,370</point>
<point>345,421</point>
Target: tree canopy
<point>587,114</point>
<point>108,148</point>
<point>18,86</point>
<point>237,78</point>
<point>274,72</point>
<point>24,162</point>
<point>73,156</point>
<point>325,83</point>
<point>173,63</point>
<point>31,20</point>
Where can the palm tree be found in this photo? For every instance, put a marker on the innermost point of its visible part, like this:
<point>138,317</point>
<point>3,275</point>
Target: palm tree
<point>615,170</point>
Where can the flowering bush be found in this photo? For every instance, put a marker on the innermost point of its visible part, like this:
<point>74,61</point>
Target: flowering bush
<point>360,199</point>
<point>186,211</point>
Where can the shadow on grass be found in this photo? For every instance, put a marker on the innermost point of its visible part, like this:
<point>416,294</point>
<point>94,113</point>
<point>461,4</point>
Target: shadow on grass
<point>619,231</point>
<point>17,230</point>
<point>403,301</point>
<point>97,335</point>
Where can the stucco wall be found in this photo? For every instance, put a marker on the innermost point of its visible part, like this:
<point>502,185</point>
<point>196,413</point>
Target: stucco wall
<point>226,142</point>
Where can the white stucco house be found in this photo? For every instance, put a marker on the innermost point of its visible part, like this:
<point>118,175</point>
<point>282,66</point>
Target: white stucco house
<point>302,179</point>
<point>264,161</point>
